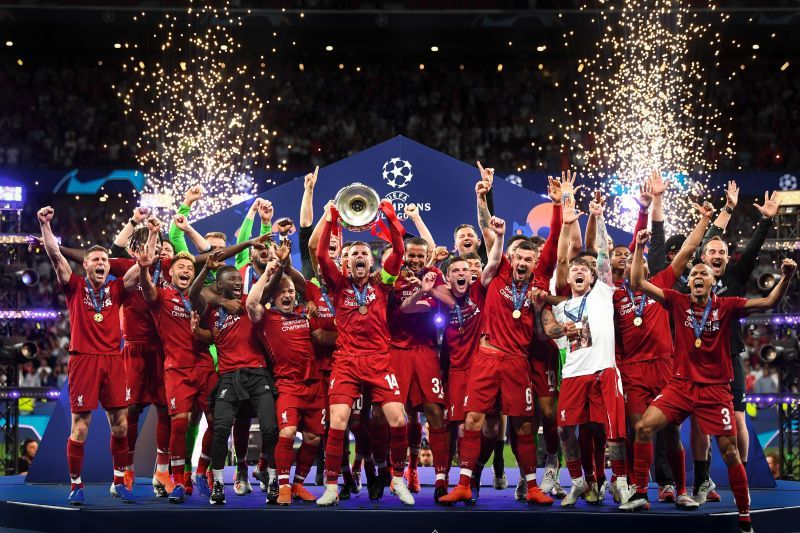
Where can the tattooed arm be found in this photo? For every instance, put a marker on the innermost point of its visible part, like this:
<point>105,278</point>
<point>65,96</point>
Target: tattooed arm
<point>603,263</point>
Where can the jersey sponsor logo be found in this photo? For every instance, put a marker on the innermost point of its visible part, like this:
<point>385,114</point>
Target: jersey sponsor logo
<point>712,324</point>
<point>294,324</point>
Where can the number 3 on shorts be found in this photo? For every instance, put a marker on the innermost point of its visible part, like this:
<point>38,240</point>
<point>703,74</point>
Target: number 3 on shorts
<point>436,385</point>
<point>726,416</point>
<point>392,381</point>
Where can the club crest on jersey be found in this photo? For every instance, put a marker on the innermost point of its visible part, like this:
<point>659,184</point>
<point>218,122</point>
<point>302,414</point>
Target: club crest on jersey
<point>330,387</point>
<point>284,418</point>
<point>127,394</point>
<point>465,400</point>
<point>222,393</point>
<point>563,415</point>
<point>172,404</point>
<point>80,400</point>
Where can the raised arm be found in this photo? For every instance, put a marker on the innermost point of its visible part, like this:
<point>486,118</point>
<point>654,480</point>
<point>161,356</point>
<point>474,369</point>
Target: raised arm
<point>694,239</point>
<point>176,236</point>
<point>498,227</point>
<point>143,262</point>
<point>307,203</point>
<point>198,240</point>
<point>196,296</point>
<point>638,280</point>
<point>124,235</point>
<point>603,263</point>
<point>788,268</point>
<point>60,264</point>
<point>391,269</point>
<point>245,232</point>
<point>591,226</point>
<point>482,189</point>
<point>657,256</point>
<point>548,255</point>
<point>330,273</point>
<point>747,261</point>
<point>412,213</point>
<point>645,199</point>
<point>255,308</point>
<point>569,219</point>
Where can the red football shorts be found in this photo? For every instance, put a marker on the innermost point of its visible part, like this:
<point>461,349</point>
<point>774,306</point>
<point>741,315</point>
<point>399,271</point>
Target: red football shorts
<point>497,374</point>
<point>96,378</point>
<point>189,388</point>
<point>593,398</point>
<point>418,375</point>
<point>457,381</point>
<point>642,382</point>
<point>544,369</point>
<point>144,370</point>
<point>711,405</point>
<point>301,405</point>
<point>373,374</point>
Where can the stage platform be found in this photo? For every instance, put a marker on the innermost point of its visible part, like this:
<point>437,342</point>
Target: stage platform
<point>43,508</point>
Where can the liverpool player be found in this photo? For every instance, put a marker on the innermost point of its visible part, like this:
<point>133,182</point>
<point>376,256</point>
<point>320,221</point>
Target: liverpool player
<point>500,368</point>
<point>189,373</point>
<point>413,351</point>
<point>96,371</point>
<point>301,402</point>
<point>644,351</point>
<point>244,375</point>
<point>590,376</point>
<point>361,358</point>
<point>703,371</point>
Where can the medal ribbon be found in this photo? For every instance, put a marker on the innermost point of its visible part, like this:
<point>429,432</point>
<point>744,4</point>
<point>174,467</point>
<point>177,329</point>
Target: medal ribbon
<point>699,327</point>
<point>221,316</point>
<point>518,298</point>
<point>579,316</point>
<point>93,296</point>
<point>361,297</point>
<point>327,299</point>
<point>640,311</point>
<point>157,273</point>
<point>186,303</point>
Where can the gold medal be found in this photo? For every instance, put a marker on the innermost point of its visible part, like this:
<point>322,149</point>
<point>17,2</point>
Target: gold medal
<point>697,343</point>
<point>517,313</point>
<point>268,305</point>
<point>461,330</point>
<point>637,321</point>
<point>98,317</point>
<point>362,309</point>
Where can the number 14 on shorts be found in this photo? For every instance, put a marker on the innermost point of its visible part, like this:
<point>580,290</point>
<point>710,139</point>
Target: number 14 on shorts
<point>392,382</point>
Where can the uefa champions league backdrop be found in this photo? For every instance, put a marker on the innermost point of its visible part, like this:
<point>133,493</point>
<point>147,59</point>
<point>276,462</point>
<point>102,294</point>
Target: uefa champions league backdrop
<point>406,172</point>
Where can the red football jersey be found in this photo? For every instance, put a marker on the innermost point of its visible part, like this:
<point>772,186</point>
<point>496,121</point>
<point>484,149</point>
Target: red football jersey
<point>461,345</point>
<point>653,338</point>
<point>88,336</point>
<point>235,338</point>
<point>249,277</point>
<point>512,335</point>
<point>137,322</point>
<point>325,320</point>
<point>361,335</point>
<point>173,322</point>
<point>409,330</point>
<point>288,337</point>
<point>711,362</point>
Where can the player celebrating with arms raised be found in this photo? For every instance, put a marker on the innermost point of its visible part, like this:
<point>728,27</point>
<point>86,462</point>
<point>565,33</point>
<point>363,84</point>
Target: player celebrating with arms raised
<point>702,371</point>
<point>96,371</point>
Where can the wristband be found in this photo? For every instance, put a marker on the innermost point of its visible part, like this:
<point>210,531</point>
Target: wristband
<point>728,210</point>
<point>132,222</point>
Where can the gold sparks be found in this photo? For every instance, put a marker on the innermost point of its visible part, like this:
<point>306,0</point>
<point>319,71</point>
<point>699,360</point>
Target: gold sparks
<point>645,105</point>
<point>200,117</point>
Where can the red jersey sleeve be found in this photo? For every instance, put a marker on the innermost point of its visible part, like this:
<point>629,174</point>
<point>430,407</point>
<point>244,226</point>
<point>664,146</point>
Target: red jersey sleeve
<point>671,297</point>
<point>549,256</point>
<point>665,279</point>
<point>120,265</point>
<point>733,305</point>
<point>641,223</point>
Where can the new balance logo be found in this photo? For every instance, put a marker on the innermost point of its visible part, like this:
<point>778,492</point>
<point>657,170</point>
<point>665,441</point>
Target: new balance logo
<point>80,400</point>
<point>657,397</point>
<point>728,427</point>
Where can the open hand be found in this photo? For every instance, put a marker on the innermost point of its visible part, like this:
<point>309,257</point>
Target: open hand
<point>658,185</point>
<point>215,260</point>
<point>771,205</point>
<point>731,194</point>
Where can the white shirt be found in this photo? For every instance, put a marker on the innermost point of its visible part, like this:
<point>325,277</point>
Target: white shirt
<point>594,351</point>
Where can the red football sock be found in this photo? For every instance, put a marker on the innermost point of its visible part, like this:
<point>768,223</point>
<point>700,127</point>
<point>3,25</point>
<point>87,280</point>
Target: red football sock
<point>526,446</point>
<point>550,432</point>
<point>440,448</point>
<point>677,463</point>
<point>468,455</point>
<point>241,438</point>
<point>586,445</point>
<point>75,462</point>
<point>205,451</point>
<point>133,434</point>
<point>642,459</point>
<point>618,466</point>
<point>334,450</point>
<point>629,456</point>
<point>177,448</point>
<point>414,441</point>
<point>737,477</point>
<point>575,470</point>
<point>119,456</point>
<point>305,458</point>
<point>398,447</point>
<point>379,442</point>
<point>163,427</point>
<point>284,454</point>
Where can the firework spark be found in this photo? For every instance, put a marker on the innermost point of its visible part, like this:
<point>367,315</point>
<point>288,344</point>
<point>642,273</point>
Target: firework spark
<point>200,117</point>
<point>646,106</point>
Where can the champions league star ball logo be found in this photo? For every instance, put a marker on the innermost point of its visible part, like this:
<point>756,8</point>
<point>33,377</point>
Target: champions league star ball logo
<point>787,182</point>
<point>397,173</point>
